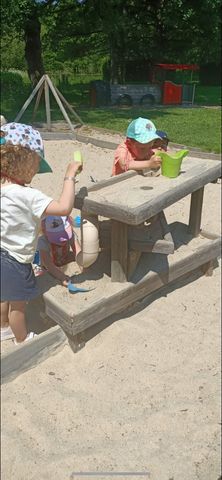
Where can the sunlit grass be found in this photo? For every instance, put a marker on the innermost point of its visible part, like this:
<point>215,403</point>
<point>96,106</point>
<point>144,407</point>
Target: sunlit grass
<point>195,127</point>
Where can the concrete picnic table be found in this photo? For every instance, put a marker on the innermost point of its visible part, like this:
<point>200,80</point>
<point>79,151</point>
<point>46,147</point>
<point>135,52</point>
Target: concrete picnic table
<point>130,199</point>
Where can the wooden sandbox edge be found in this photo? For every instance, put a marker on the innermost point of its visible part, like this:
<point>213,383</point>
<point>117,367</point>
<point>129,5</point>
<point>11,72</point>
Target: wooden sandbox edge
<point>28,355</point>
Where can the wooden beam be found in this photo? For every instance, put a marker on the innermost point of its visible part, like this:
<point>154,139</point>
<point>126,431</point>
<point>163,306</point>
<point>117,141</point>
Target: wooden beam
<point>29,99</point>
<point>133,259</point>
<point>38,97</point>
<point>193,180</point>
<point>208,268</point>
<point>109,210</point>
<point>143,238</point>
<point>28,355</point>
<point>65,115</point>
<point>68,106</point>
<point>140,238</point>
<point>119,251</point>
<point>76,342</point>
<point>47,105</point>
<point>166,230</point>
<point>196,205</point>
<point>130,292</point>
<point>95,141</point>
<point>83,192</point>
<point>209,235</point>
<point>110,181</point>
<point>159,246</point>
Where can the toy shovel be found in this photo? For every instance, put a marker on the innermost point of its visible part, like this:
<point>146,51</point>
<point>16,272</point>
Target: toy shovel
<point>73,289</point>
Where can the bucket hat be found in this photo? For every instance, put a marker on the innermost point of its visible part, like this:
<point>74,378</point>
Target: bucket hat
<point>57,230</point>
<point>142,130</point>
<point>27,136</point>
<point>163,135</point>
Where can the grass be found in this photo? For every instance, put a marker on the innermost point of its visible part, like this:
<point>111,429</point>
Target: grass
<point>207,95</point>
<point>195,127</point>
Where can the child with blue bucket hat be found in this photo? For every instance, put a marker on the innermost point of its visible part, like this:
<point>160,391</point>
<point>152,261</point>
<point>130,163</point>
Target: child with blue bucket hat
<point>136,153</point>
<point>22,209</point>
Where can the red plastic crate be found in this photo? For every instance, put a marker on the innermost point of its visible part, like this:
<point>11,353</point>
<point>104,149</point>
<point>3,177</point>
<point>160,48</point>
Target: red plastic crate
<point>172,93</point>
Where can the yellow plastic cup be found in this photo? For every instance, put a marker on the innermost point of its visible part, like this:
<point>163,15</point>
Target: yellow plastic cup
<point>171,164</point>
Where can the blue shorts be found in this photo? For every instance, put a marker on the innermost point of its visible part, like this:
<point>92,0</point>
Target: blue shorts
<point>18,282</point>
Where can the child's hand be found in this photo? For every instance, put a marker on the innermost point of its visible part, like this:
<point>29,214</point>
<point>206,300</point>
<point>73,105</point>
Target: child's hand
<point>155,161</point>
<point>78,159</point>
<point>73,168</point>
<point>158,149</point>
<point>66,281</point>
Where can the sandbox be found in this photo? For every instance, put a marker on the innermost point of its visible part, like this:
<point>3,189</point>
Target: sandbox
<point>76,313</point>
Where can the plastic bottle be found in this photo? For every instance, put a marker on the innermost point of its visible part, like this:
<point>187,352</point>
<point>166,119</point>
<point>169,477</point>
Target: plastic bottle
<point>38,270</point>
<point>77,225</point>
<point>77,221</point>
<point>36,260</point>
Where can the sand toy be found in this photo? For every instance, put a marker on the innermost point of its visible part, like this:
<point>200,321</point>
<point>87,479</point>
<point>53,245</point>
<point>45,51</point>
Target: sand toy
<point>171,163</point>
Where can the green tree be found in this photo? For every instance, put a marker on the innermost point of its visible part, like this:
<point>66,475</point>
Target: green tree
<point>145,30</point>
<point>21,18</point>
<point>12,53</point>
<point>142,30</point>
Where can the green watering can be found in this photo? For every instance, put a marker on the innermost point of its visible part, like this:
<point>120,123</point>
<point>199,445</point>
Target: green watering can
<point>170,166</point>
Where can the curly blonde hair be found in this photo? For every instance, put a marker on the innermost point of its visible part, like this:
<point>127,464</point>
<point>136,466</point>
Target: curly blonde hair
<point>18,162</point>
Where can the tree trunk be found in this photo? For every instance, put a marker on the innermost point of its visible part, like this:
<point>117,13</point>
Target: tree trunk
<point>117,58</point>
<point>114,77</point>
<point>33,49</point>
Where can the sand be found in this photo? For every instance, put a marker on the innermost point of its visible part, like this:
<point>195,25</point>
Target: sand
<point>144,393</point>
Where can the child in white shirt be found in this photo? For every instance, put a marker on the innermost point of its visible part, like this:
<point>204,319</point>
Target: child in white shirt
<point>22,210</point>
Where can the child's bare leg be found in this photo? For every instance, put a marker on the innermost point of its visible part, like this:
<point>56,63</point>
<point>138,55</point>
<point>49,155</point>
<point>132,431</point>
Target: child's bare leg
<point>4,314</point>
<point>17,320</point>
<point>75,245</point>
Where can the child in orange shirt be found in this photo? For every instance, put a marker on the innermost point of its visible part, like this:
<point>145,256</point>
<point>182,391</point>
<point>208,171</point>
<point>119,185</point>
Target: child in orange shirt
<point>136,153</point>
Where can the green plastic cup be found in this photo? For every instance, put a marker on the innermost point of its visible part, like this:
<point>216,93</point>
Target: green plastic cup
<point>170,166</point>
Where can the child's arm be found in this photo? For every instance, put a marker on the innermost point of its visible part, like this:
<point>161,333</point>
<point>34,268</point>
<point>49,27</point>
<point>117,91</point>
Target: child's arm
<point>153,162</point>
<point>126,163</point>
<point>47,262</point>
<point>65,204</point>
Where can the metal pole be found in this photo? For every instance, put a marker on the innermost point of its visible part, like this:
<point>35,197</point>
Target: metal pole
<point>194,88</point>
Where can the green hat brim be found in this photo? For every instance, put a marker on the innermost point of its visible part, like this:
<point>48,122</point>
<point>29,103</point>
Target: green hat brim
<point>44,167</point>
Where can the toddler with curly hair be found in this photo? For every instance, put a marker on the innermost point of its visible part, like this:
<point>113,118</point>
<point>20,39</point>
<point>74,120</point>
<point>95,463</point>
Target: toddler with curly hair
<point>22,210</point>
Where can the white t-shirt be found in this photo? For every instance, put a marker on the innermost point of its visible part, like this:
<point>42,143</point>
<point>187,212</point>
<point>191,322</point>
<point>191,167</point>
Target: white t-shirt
<point>21,211</point>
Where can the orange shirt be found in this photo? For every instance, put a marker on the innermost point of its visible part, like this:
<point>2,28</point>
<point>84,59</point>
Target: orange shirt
<point>122,153</point>
<point>125,155</point>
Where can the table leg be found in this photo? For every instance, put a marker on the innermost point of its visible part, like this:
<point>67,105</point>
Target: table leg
<point>133,259</point>
<point>195,212</point>
<point>119,251</point>
<point>76,342</point>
